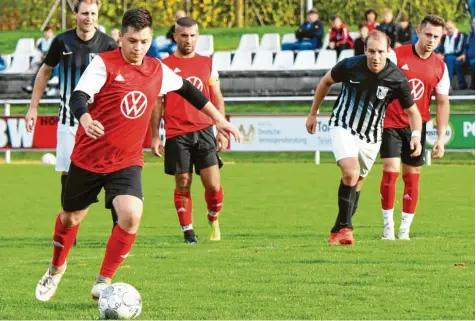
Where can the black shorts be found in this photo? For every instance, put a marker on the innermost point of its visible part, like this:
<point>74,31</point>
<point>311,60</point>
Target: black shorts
<point>396,143</point>
<point>83,187</point>
<point>196,149</point>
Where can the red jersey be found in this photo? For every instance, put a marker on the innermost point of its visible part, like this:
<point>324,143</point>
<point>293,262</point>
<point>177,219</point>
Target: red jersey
<point>122,97</point>
<point>425,76</point>
<point>180,117</point>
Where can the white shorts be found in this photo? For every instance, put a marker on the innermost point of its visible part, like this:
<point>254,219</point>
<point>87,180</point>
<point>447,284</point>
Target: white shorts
<point>344,145</point>
<point>64,146</point>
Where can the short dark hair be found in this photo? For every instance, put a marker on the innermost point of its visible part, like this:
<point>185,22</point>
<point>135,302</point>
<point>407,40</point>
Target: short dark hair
<point>48,28</point>
<point>136,18</point>
<point>370,11</point>
<point>377,34</point>
<point>434,20</point>
<point>186,22</point>
<point>403,18</point>
<point>77,3</point>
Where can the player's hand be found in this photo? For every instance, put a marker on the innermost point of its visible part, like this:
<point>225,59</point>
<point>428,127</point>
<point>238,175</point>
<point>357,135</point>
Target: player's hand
<point>92,128</point>
<point>222,142</point>
<point>438,150</point>
<point>224,127</point>
<point>157,147</point>
<point>30,119</point>
<point>311,124</point>
<point>461,58</point>
<point>415,145</point>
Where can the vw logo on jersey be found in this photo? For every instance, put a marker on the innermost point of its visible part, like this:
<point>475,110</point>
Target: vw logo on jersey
<point>417,87</point>
<point>134,104</point>
<point>197,82</point>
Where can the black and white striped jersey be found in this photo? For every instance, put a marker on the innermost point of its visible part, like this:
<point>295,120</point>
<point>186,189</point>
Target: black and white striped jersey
<point>362,102</point>
<point>73,56</point>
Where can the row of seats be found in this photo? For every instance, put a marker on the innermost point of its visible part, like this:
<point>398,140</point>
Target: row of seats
<point>249,42</point>
<point>19,60</point>
<point>282,60</point>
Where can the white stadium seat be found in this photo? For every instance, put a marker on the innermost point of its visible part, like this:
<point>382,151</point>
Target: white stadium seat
<point>241,61</point>
<point>284,60</point>
<point>270,41</point>
<point>289,37</point>
<point>205,45</point>
<point>25,46</point>
<point>263,60</point>
<point>20,64</point>
<point>305,60</point>
<point>346,53</point>
<point>326,59</point>
<point>354,35</point>
<point>249,42</point>
<point>222,60</point>
<point>162,40</point>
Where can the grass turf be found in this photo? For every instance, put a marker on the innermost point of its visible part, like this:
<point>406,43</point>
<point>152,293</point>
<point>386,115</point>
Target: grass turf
<point>273,261</point>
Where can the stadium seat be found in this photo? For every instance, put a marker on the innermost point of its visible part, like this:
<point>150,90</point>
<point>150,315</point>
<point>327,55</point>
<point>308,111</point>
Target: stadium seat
<point>305,60</point>
<point>222,60</point>
<point>284,60</point>
<point>289,37</point>
<point>354,35</point>
<point>241,61</point>
<point>263,60</point>
<point>249,42</point>
<point>325,42</point>
<point>7,59</point>
<point>270,41</point>
<point>25,46</point>
<point>346,53</point>
<point>20,64</point>
<point>205,45</point>
<point>326,59</point>
<point>162,40</point>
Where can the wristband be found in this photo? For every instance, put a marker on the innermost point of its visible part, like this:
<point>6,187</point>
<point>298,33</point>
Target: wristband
<point>416,133</point>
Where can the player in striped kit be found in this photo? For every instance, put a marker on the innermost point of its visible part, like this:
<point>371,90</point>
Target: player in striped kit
<point>73,50</point>
<point>369,83</point>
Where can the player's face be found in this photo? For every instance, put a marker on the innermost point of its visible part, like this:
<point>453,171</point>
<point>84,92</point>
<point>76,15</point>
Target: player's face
<point>429,37</point>
<point>87,16</point>
<point>186,38</point>
<point>377,53</point>
<point>135,44</point>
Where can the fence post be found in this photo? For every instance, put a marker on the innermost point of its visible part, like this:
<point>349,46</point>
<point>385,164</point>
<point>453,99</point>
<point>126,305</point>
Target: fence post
<point>7,152</point>
<point>428,157</point>
<point>317,157</point>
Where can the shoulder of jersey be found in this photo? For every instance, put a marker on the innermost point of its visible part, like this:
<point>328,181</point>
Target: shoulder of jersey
<point>353,61</point>
<point>67,33</point>
<point>403,50</point>
<point>110,55</point>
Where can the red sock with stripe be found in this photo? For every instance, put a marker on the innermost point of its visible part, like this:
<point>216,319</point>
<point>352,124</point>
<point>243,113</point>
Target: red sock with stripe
<point>117,250</point>
<point>183,205</point>
<point>214,203</point>
<point>411,191</point>
<point>63,240</point>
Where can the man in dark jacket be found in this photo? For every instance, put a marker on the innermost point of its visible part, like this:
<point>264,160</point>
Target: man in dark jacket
<point>309,35</point>
<point>388,26</point>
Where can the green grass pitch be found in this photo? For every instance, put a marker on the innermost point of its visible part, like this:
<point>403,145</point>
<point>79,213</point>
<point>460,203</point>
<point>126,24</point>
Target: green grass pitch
<point>273,261</point>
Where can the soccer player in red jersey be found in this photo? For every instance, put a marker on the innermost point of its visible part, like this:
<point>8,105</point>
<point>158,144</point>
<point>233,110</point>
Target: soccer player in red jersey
<point>190,140</point>
<point>426,74</point>
<point>121,87</point>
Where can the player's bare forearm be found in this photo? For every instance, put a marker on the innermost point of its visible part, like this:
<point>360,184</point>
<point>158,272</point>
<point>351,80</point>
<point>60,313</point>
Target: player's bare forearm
<point>442,114</point>
<point>212,111</point>
<point>40,84</point>
<point>155,118</point>
<point>321,91</point>
<point>415,118</point>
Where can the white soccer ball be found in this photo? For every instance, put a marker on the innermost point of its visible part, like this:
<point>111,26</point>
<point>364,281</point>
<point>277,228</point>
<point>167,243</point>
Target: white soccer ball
<point>120,301</point>
<point>48,159</point>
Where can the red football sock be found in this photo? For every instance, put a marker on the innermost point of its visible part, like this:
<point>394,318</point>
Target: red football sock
<point>410,194</point>
<point>63,240</point>
<point>214,202</point>
<point>183,204</point>
<point>387,189</point>
<point>118,248</point>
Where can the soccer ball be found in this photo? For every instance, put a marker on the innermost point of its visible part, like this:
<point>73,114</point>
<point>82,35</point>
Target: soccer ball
<point>48,159</point>
<point>120,301</point>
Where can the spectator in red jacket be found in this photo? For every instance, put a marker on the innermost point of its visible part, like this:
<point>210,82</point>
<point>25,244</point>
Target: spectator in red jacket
<point>371,19</point>
<point>339,37</point>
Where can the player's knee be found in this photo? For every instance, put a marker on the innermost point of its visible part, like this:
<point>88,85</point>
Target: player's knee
<point>129,219</point>
<point>350,177</point>
<point>69,219</point>
<point>183,183</point>
<point>213,187</point>
<point>411,169</point>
